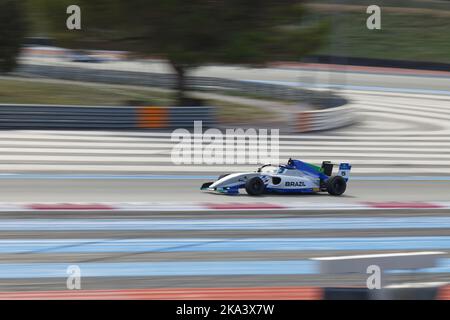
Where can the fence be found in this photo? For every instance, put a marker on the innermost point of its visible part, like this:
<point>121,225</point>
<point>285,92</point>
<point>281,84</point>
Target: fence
<point>93,117</point>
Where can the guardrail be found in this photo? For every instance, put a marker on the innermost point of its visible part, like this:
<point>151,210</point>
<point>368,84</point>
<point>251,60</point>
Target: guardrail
<point>148,117</point>
<point>97,117</point>
<point>325,119</point>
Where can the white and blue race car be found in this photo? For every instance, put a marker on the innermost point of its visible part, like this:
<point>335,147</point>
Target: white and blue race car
<point>295,177</point>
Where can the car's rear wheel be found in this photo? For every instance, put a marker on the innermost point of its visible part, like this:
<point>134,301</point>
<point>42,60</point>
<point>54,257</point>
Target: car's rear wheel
<point>336,185</point>
<point>255,186</point>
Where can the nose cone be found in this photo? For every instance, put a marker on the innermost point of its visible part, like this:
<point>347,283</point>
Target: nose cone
<point>233,180</point>
<point>224,182</point>
<point>206,185</point>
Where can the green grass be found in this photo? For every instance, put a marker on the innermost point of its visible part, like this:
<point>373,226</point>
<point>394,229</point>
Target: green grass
<point>404,36</point>
<point>58,92</point>
<point>236,113</point>
<point>29,91</point>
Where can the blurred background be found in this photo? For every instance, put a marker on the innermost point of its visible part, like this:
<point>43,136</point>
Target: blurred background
<point>86,117</point>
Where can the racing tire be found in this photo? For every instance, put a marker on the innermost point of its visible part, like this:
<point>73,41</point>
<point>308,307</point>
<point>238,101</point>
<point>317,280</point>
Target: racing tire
<point>223,176</point>
<point>255,186</point>
<point>336,186</point>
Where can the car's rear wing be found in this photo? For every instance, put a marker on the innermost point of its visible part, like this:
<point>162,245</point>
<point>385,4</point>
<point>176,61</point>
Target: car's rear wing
<point>344,169</point>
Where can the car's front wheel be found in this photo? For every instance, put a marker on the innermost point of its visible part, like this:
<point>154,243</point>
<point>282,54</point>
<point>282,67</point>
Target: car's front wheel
<point>336,185</point>
<point>255,186</point>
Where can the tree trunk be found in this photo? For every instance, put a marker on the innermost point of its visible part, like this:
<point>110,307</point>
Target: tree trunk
<point>180,85</point>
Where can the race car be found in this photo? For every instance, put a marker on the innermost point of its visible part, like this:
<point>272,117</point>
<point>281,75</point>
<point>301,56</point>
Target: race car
<point>294,177</point>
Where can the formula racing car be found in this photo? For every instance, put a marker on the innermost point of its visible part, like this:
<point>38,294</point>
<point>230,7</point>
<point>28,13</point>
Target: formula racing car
<point>295,177</point>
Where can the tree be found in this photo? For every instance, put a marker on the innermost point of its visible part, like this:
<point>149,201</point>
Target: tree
<point>12,32</point>
<point>191,33</point>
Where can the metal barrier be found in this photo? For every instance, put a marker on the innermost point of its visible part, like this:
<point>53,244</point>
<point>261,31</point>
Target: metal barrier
<point>95,117</point>
<point>325,119</point>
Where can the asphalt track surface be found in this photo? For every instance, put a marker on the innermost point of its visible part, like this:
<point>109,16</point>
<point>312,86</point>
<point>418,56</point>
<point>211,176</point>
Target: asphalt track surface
<point>124,259</point>
<point>248,251</point>
<point>183,190</point>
